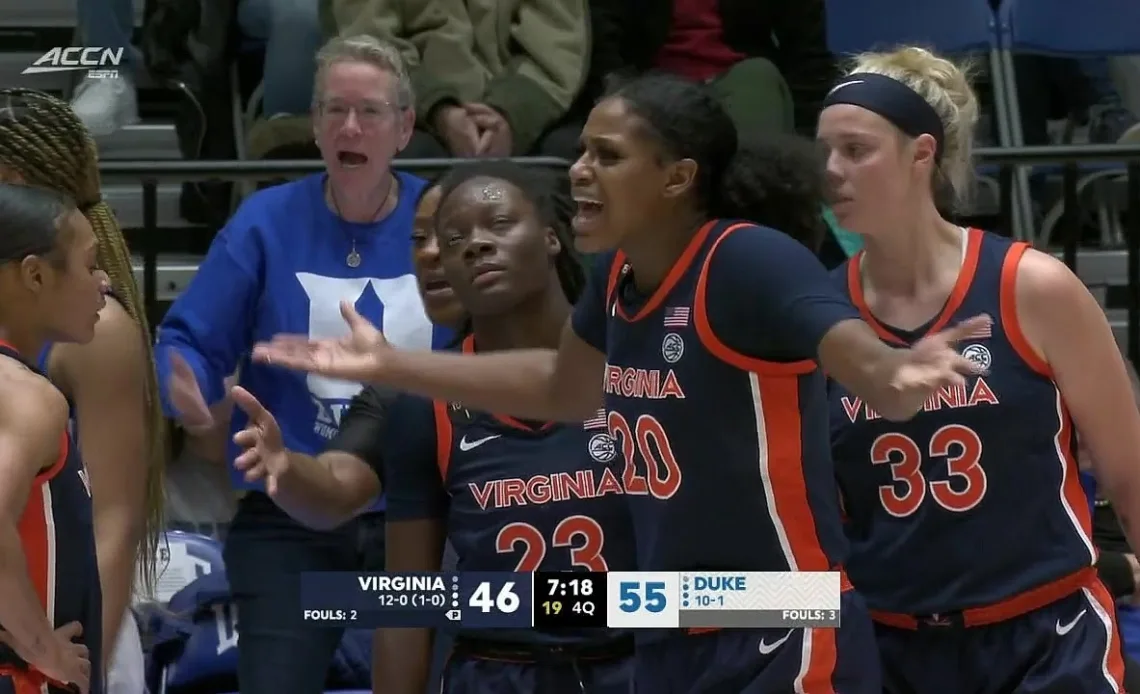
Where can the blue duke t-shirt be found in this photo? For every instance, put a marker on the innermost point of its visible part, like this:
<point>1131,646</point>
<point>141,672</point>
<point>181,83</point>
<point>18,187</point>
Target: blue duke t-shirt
<point>279,266</point>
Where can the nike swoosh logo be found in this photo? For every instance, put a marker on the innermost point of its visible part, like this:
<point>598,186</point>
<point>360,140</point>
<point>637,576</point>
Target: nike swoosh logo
<point>465,445</point>
<point>1063,629</point>
<point>842,85</point>
<point>768,648</point>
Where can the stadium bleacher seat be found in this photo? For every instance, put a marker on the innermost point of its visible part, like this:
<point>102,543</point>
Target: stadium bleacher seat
<point>29,28</point>
<point>950,27</point>
<point>1097,28</point>
<point>183,557</point>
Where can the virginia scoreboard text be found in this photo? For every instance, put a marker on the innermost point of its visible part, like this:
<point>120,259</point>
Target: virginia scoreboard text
<point>552,600</point>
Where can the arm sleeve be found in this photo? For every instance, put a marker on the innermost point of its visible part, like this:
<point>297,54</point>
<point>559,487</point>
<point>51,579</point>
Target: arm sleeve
<point>211,323</point>
<point>362,428</point>
<point>415,487</point>
<point>767,296</point>
<point>448,71</point>
<point>375,18</point>
<point>590,313</point>
<point>551,40</point>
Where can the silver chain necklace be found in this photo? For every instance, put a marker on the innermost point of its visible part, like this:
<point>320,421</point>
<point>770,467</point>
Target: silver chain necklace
<point>353,258</point>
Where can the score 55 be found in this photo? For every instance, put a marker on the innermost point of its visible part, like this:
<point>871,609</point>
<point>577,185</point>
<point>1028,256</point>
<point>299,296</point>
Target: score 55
<point>631,592</point>
<point>642,600</point>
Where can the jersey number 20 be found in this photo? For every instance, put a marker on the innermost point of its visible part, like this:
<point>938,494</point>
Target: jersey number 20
<point>582,534</point>
<point>646,440</point>
<point>960,446</point>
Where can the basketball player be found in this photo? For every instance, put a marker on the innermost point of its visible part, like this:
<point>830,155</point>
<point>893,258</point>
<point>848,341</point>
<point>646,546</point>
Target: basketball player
<point>969,528</point>
<point>502,234</point>
<point>109,380</point>
<point>49,578</point>
<point>705,333</point>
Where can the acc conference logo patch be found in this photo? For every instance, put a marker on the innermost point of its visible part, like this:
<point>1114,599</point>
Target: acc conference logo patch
<point>978,354</point>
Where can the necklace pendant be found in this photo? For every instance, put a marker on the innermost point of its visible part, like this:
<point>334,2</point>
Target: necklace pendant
<point>353,259</point>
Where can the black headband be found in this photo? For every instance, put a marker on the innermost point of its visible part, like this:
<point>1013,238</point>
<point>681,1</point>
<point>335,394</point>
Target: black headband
<point>893,100</point>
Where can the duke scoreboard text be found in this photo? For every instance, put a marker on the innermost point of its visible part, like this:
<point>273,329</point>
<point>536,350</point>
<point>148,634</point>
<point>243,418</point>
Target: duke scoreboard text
<point>549,600</point>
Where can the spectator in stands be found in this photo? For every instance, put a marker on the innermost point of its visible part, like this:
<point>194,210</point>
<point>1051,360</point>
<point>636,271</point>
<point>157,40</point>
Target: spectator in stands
<point>285,128</point>
<point>110,381</point>
<point>493,79</point>
<point>1110,121</point>
<point>106,104</point>
<point>291,33</point>
<point>1049,87</point>
<point>283,263</point>
<point>767,61</point>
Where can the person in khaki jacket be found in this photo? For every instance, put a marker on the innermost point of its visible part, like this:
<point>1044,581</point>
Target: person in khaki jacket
<point>492,78</point>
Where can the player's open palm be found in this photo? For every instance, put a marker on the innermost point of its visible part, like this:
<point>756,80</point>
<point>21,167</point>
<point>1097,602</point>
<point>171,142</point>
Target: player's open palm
<point>70,662</point>
<point>933,362</point>
<point>263,456</point>
<point>186,395</point>
<point>354,357</point>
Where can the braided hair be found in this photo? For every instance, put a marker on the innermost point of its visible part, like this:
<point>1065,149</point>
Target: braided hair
<point>42,139</point>
<point>549,192</point>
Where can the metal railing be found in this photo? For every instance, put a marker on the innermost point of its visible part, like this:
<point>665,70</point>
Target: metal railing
<point>150,173</point>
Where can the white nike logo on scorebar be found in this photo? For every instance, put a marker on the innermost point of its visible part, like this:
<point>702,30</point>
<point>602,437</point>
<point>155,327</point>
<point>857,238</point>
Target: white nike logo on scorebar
<point>1063,629</point>
<point>768,648</point>
<point>465,445</point>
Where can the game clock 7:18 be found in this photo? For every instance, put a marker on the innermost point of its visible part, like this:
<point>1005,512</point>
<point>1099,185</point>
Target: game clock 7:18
<point>569,600</point>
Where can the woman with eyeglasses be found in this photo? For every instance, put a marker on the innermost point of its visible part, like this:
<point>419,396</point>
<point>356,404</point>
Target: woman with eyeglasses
<point>283,263</point>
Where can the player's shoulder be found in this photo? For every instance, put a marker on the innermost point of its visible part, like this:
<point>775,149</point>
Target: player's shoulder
<point>737,235</point>
<point>741,253</point>
<point>30,397</point>
<point>1043,279</point>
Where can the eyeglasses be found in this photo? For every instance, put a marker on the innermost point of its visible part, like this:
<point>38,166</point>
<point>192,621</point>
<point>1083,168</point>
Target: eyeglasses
<point>367,112</point>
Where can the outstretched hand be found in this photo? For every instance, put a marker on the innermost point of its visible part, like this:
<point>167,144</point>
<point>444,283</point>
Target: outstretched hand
<point>355,357</point>
<point>263,455</point>
<point>933,363</point>
<point>186,395</point>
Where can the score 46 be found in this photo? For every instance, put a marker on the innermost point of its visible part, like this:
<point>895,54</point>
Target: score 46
<point>505,601</point>
<point>495,600</point>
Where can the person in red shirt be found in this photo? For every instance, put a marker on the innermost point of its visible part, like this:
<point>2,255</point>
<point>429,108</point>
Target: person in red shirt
<point>768,62</point>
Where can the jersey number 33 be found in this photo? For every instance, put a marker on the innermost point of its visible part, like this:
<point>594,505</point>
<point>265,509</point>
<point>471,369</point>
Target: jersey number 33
<point>965,485</point>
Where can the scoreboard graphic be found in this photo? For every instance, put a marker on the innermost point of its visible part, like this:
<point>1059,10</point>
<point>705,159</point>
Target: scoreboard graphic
<point>551,600</point>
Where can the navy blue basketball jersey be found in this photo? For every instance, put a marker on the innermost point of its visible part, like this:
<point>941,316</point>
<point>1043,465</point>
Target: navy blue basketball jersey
<point>516,495</point>
<point>977,501</point>
<point>58,539</point>
<point>723,457</point>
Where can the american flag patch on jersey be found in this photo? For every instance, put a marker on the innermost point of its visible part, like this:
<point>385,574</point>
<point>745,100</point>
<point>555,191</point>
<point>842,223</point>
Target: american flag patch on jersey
<point>598,421</point>
<point>676,316</point>
<point>982,332</point>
